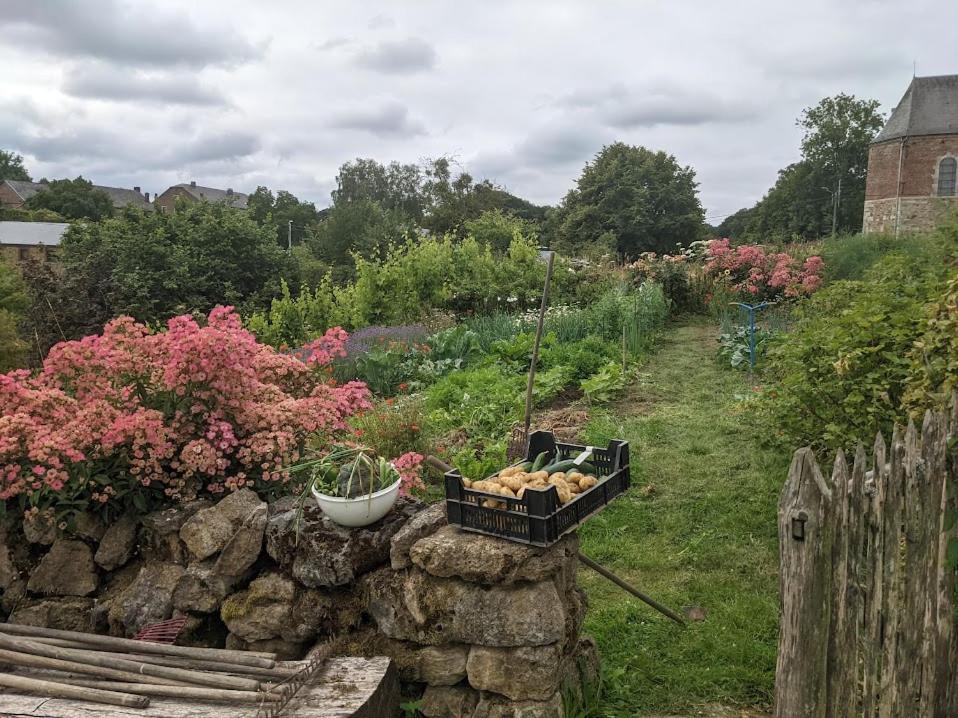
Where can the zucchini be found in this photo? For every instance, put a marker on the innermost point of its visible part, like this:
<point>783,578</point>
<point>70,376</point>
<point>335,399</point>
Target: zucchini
<point>568,464</point>
<point>540,461</point>
<point>525,465</point>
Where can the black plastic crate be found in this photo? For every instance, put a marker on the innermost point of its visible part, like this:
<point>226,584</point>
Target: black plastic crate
<point>538,518</point>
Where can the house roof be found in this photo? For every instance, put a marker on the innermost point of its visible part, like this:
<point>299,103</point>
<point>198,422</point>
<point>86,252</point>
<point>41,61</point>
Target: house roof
<point>32,234</point>
<point>118,195</point>
<point>212,194</point>
<point>25,190</point>
<point>929,107</point>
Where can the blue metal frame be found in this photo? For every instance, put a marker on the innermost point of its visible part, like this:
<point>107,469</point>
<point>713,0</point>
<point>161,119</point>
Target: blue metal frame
<point>751,309</point>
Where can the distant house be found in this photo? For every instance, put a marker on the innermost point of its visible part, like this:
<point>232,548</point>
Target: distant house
<point>20,241</point>
<point>15,193</point>
<point>913,161</point>
<point>192,192</point>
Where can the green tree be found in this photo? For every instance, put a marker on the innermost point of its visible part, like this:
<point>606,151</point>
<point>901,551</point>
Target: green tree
<point>277,212</point>
<point>497,229</point>
<point>394,187</point>
<point>837,134</point>
<point>11,167</point>
<point>361,227</point>
<point>153,265</point>
<point>631,200</point>
<point>13,304</point>
<point>73,199</point>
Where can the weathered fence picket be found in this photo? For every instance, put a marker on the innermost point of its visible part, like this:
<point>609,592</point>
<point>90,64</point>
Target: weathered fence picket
<point>867,582</point>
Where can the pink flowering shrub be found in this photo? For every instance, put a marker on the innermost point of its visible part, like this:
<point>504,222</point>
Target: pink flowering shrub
<point>138,419</point>
<point>409,466</point>
<point>756,274</point>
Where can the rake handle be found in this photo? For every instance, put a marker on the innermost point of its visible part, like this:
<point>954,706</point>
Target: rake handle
<point>527,420</point>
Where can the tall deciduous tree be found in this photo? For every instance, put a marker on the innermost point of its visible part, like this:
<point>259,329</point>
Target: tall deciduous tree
<point>278,211</point>
<point>152,265</point>
<point>631,200</point>
<point>13,304</point>
<point>837,133</point>
<point>11,167</point>
<point>73,199</point>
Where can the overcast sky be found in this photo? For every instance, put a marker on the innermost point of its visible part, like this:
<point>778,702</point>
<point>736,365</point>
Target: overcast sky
<point>242,93</point>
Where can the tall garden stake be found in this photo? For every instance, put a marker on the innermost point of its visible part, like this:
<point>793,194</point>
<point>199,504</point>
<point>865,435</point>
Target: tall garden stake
<point>751,309</point>
<point>520,437</point>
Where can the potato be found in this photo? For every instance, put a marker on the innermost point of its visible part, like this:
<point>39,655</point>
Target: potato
<point>487,486</point>
<point>506,491</point>
<point>574,488</point>
<point>537,484</point>
<point>556,481</point>
<point>510,471</point>
<point>466,482</point>
<point>490,504</point>
<point>511,482</point>
<point>521,492</point>
<point>544,475</point>
<point>587,482</point>
<point>557,475</point>
<point>565,496</point>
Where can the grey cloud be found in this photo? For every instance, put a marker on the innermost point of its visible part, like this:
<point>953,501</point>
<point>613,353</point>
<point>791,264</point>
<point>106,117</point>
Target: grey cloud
<point>142,33</point>
<point>561,145</point>
<point>107,82</point>
<point>86,144</point>
<point>380,22</point>
<point>630,107</point>
<point>389,118</point>
<point>397,57</point>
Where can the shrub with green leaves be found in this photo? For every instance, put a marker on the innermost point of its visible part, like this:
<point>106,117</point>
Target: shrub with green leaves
<point>934,357</point>
<point>842,372</point>
<point>483,401</point>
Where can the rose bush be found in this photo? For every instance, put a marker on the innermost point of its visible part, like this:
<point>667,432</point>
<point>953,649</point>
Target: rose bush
<point>136,419</point>
<point>760,275</point>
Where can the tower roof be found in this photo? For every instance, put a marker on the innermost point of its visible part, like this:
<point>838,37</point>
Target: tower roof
<point>929,107</point>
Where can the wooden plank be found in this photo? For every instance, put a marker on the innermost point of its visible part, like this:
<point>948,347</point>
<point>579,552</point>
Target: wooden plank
<point>893,530</point>
<point>946,701</point>
<point>857,568</point>
<point>841,664</point>
<point>875,580</point>
<point>911,620</point>
<point>805,547</point>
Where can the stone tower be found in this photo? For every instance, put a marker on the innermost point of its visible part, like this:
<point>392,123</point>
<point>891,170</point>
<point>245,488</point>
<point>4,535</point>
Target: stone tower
<point>912,162</point>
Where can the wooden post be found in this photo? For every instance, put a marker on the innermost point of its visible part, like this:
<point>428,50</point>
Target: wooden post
<point>61,690</point>
<point>875,587</point>
<point>805,545</point>
<point>841,694</point>
<point>893,530</point>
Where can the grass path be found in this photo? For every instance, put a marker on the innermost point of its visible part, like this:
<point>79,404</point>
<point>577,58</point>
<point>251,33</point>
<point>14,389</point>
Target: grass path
<point>697,528</point>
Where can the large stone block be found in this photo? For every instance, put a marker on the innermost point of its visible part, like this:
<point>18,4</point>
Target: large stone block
<point>118,543</point>
<point>318,553</point>
<point>160,533</point>
<point>492,705</point>
<point>200,588</point>
<point>416,606</point>
<point>210,529</point>
<point>425,523</point>
<point>66,570</point>
<point>521,673</point>
<point>147,600</point>
<point>450,552</point>
<point>65,614</point>
<point>275,607</point>
<point>449,702</point>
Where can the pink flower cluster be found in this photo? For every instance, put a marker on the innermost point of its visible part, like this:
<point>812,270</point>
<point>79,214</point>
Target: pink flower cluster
<point>409,466</point>
<point>140,418</point>
<point>761,275</point>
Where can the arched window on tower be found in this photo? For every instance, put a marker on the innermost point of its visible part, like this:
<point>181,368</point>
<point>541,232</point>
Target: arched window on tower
<point>947,170</point>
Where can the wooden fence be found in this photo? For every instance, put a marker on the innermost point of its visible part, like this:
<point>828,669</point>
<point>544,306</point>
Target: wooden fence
<point>868,580</point>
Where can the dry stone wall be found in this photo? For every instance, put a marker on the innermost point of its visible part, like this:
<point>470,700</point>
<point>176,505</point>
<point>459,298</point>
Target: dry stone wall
<point>480,627</point>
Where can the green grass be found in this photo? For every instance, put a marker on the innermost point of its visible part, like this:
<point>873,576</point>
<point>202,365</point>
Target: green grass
<point>698,528</point>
